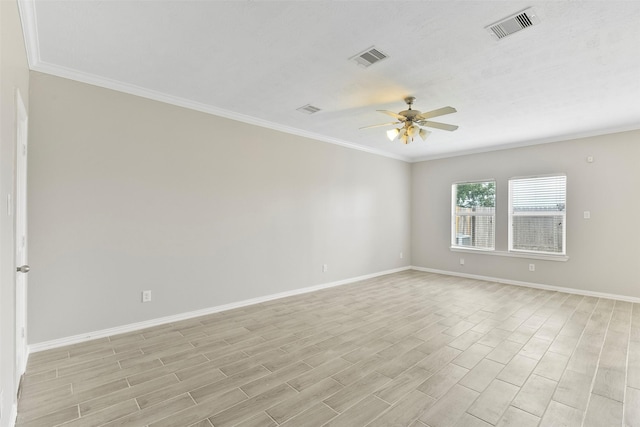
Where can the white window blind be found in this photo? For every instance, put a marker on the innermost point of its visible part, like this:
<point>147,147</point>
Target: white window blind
<point>473,214</point>
<point>537,214</point>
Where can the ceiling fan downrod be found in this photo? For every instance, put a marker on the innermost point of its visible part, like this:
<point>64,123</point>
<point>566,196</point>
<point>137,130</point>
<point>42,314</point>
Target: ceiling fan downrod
<point>409,100</point>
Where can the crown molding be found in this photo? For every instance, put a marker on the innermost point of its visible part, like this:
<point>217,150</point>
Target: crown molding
<point>130,89</point>
<point>528,143</point>
<point>27,10</point>
<point>30,30</point>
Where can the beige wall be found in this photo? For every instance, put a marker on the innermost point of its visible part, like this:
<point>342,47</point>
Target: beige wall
<point>603,251</point>
<point>14,74</point>
<point>128,194</point>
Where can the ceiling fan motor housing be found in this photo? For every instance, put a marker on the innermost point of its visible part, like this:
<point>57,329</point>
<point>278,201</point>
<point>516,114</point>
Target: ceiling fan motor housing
<point>409,114</point>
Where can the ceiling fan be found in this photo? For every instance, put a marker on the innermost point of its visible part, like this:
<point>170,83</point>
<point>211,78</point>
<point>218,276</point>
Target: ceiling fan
<point>412,120</point>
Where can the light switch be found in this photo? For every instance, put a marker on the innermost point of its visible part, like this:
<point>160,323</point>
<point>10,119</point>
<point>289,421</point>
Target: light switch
<point>587,215</point>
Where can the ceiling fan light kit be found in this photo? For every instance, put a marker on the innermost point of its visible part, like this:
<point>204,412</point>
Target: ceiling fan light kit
<point>411,122</point>
<point>393,134</point>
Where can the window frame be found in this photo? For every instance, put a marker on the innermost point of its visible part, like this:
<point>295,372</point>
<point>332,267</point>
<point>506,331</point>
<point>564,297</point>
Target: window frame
<point>562,213</point>
<point>454,214</point>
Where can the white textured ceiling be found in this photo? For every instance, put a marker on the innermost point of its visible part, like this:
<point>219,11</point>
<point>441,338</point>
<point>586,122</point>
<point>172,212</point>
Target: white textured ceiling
<point>576,73</point>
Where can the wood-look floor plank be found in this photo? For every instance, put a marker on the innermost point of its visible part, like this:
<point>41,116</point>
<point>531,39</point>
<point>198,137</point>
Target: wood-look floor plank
<point>266,382</point>
<point>154,413</point>
<point>199,413</point>
<point>440,382</point>
<point>603,412</point>
<point>360,414</point>
<point>472,355</point>
<point>403,384</point>
<point>450,407</point>
<point>259,420</point>
<point>481,375</point>
<point>493,401</point>
<point>535,395</point>
<point>551,365</point>
<point>247,408</point>
<point>106,415</point>
<point>632,408</point>
<point>558,414</point>
<point>574,389</point>
<point>404,412</point>
<point>303,400</point>
<point>95,402</point>
<point>53,418</point>
<point>319,373</point>
<point>514,417</point>
<point>317,415</point>
<point>517,370</point>
<point>355,392</point>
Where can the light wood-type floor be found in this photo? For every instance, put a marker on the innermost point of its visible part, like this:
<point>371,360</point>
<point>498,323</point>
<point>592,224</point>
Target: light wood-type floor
<point>407,349</point>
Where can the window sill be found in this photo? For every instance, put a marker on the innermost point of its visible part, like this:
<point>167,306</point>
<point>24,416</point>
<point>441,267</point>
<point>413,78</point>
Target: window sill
<point>560,258</point>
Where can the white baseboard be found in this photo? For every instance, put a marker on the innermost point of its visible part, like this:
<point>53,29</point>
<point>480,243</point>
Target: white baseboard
<point>48,345</point>
<point>531,285</point>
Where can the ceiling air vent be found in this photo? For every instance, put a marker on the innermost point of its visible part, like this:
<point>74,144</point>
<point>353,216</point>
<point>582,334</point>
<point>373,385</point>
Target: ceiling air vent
<point>369,57</point>
<point>308,109</point>
<point>513,24</point>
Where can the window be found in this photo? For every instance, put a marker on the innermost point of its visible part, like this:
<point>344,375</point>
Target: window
<point>473,215</point>
<point>537,214</point>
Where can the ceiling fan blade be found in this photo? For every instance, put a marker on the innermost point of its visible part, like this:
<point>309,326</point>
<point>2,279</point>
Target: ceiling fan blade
<point>435,113</point>
<point>383,124</point>
<point>438,125</point>
<point>392,114</point>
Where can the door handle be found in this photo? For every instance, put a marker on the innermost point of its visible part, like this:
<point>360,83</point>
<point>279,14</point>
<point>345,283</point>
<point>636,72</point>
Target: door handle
<point>24,269</point>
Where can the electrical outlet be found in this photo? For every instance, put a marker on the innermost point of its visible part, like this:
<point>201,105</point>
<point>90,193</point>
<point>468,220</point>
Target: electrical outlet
<point>401,255</point>
<point>461,261</point>
<point>532,267</point>
<point>146,296</point>
<point>325,267</point>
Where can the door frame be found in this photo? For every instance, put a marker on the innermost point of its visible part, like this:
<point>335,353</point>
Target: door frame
<point>20,237</point>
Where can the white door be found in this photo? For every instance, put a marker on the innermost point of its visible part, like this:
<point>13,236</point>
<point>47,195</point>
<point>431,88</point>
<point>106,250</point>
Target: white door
<point>21,237</point>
